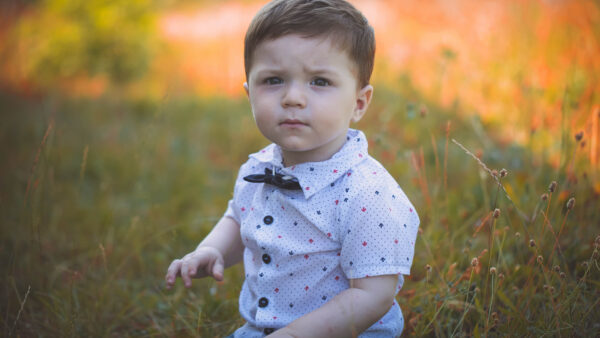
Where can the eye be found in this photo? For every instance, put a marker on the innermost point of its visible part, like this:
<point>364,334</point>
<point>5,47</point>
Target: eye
<point>320,82</point>
<point>273,80</point>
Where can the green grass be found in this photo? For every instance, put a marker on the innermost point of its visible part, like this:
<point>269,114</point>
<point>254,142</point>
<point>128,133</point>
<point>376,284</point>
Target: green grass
<point>98,196</point>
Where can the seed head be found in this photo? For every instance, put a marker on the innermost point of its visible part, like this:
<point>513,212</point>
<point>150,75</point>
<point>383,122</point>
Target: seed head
<point>551,289</point>
<point>428,267</point>
<point>563,275</point>
<point>556,268</point>
<point>544,197</point>
<point>584,264</point>
<point>571,203</point>
<point>494,315</point>
<point>503,172</point>
<point>493,270</point>
<point>494,172</point>
<point>501,276</point>
<point>474,261</point>
<point>540,259</point>
<point>546,287</point>
<point>496,213</point>
<point>579,136</point>
<point>595,254</point>
<point>477,290</point>
<point>552,186</point>
<point>531,243</point>
<point>517,234</point>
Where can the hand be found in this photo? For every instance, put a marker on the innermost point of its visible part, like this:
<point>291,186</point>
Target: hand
<point>204,261</point>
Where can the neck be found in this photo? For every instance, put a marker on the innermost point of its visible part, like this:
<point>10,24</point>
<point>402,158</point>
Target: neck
<point>291,158</point>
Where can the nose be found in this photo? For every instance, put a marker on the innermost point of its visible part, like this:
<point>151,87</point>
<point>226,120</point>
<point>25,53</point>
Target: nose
<point>294,96</point>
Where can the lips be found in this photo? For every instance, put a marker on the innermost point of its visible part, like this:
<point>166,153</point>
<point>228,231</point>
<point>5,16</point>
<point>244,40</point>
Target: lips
<point>292,122</point>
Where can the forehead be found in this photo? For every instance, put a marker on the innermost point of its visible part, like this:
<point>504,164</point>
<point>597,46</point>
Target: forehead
<point>311,51</point>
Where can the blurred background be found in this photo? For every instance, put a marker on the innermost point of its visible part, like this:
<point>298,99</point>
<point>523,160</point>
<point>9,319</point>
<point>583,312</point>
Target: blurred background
<point>123,124</point>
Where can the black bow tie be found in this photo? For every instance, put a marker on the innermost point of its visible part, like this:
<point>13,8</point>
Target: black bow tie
<point>278,180</point>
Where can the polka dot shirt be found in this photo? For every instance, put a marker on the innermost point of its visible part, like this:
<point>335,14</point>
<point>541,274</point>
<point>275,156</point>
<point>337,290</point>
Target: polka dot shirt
<point>350,220</point>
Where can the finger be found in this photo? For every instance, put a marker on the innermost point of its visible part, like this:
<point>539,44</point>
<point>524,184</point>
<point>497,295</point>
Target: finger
<point>218,269</point>
<point>185,274</point>
<point>172,273</point>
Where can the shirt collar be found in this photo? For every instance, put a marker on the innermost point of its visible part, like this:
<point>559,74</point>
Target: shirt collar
<point>314,176</point>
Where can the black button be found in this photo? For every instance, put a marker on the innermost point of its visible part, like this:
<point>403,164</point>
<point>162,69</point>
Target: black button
<point>268,220</point>
<point>269,330</point>
<point>266,258</point>
<point>263,302</point>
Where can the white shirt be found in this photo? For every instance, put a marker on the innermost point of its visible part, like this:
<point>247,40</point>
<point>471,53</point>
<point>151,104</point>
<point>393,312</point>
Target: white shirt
<point>350,220</point>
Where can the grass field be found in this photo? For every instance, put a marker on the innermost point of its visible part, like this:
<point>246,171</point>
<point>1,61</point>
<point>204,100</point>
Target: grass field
<point>98,196</point>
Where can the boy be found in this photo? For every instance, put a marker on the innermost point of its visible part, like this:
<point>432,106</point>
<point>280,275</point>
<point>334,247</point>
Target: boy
<point>324,231</point>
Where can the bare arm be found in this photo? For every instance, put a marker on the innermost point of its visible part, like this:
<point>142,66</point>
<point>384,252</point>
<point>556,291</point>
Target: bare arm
<point>349,313</point>
<point>221,248</point>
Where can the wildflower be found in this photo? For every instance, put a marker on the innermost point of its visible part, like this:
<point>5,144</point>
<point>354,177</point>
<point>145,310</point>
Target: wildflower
<point>546,287</point>
<point>428,267</point>
<point>552,186</point>
<point>493,270</point>
<point>584,264</point>
<point>505,229</point>
<point>503,172</point>
<point>477,290</point>
<point>517,234</point>
<point>563,275</point>
<point>556,268</point>
<point>474,261</point>
<point>579,136</point>
<point>496,213</point>
<point>544,197</point>
<point>494,315</point>
<point>501,276</point>
<point>495,173</point>
<point>551,289</point>
<point>423,111</point>
<point>571,203</point>
<point>540,259</point>
<point>531,243</point>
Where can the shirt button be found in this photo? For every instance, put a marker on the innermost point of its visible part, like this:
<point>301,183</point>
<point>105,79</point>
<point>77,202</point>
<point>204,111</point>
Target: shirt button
<point>266,258</point>
<point>268,220</point>
<point>269,330</point>
<point>263,302</point>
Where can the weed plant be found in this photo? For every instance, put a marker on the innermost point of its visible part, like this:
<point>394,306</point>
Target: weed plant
<point>98,196</point>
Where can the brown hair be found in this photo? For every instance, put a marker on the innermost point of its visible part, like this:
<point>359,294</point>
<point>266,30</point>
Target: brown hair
<point>334,19</point>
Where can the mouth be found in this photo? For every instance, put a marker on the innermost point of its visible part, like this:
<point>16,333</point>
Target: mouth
<point>292,122</point>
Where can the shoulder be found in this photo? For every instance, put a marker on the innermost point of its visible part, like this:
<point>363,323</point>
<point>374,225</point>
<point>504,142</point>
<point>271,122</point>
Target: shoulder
<point>370,184</point>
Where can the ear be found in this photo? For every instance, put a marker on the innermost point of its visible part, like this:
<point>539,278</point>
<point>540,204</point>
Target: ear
<point>247,89</point>
<point>363,98</point>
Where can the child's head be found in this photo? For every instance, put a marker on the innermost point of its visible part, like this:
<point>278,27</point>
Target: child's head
<point>337,20</point>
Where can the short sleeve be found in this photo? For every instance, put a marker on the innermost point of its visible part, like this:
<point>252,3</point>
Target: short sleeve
<point>380,231</point>
<point>232,211</point>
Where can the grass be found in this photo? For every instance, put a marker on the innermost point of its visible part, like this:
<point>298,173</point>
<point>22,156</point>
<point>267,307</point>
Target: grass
<point>99,196</point>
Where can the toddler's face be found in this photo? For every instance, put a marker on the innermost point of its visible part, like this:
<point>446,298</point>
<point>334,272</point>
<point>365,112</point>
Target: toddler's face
<point>304,94</point>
